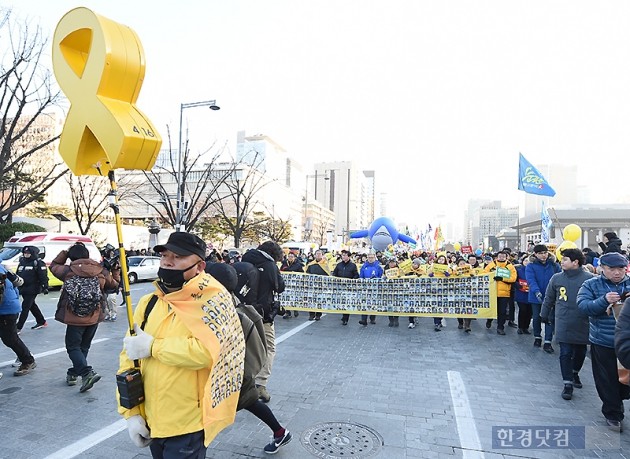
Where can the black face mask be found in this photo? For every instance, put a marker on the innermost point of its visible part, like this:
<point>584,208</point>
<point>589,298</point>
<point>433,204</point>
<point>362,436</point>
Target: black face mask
<point>173,278</point>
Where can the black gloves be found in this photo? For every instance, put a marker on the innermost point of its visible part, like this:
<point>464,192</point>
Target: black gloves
<point>544,320</point>
<point>45,290</point>
<point>498,278</point>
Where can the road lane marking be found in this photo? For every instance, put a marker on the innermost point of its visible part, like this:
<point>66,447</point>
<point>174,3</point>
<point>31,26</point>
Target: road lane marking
<point>295,330</point>
<point>88,442</point>
<point>466,428</point>
<point>53,351</point>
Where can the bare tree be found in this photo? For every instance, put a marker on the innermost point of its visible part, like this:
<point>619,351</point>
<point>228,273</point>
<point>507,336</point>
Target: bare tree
<point>89,195</point>
<point>200,179</point>
<point>320,228</point>
<point>28,167</point>
<point>237,199</point>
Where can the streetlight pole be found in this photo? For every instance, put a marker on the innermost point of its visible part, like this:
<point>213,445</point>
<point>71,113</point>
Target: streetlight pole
<point>181,183</point>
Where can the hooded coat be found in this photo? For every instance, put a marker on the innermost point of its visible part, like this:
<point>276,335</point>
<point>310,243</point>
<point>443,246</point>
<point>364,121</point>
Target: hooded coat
<point>270,281</point>
<point>83,267</point>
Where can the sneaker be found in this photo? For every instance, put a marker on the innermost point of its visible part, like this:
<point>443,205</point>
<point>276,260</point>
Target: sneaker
<point>613,425</point>
<point>19,331</point>
<point>500,331</point>
<point>24,369</point>
<point>519,331</point>
<point>113,319</point>
<point>567,392</point>
<point>276,443</point>
<point>526,331</point>
<point>296,313</point>
<point>537,342</point>
<point>287,315</point>
<point>311,316</point>
<point>344,322</point>
<point>71,380</point>
<point>391,323</point>
<point>16,364</point>
<point>363,322</point>
<point>437,328</point>
<point>373,322</point>
<point>489,323</point>
<point>547,348</point>
<point>460,326</point>
<point>411,325</point>
<point>318,317</point>
<point>512,324</point>
<point>576,381</point>
<point>263,395</point>
<point>467,330</point>
<point>38,326</point>
<point>89,380</point>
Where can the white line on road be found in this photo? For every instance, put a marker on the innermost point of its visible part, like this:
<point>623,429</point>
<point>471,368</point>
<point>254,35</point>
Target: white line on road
<point>51,352</point>
<point>466,428</point>
<point>88,442</point>
<point>293,331</point>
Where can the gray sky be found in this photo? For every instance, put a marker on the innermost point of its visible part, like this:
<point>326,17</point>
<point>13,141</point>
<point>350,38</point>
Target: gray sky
<point>437,97</point>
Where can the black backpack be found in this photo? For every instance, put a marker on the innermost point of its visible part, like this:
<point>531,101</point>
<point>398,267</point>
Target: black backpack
<point>247,287</point>
<point>84,295</point>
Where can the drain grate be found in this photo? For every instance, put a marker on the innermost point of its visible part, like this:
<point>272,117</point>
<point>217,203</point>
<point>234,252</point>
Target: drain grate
<point>337,440</point>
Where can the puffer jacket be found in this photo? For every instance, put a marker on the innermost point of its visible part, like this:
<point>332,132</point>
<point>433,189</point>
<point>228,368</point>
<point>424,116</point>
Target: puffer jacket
<point>503,286</point>
<point>622,335</point>
<point>571,325</point>
<point>84,267</point>
<point>11,301</point>
<point>614,245</point>
<point>34,272</point>
<point>371,270</point>
<point>538,276</point>
<point>592,301</point>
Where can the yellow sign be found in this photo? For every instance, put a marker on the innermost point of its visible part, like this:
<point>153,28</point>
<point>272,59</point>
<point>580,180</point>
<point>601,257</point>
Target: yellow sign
<point>392,273</point>
<point>405,266</point>
<point>100,66</point>
<point>463,270</point>
<point>439,268</point>
<point>473,297</point>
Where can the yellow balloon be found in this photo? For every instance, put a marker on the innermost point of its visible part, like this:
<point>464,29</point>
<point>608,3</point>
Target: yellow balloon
<point>564,245</point>
<point>571,232</point>
<point>457,246</point>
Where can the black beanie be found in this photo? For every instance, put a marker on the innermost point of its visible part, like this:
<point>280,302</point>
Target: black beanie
<point>611,235</point>
<point>78,252</point>
<point>224,273</point>
<point>540,248</point>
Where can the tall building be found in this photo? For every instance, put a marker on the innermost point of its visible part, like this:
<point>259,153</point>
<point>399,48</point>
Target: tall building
<point>488,218</point>
<point>348,192</point>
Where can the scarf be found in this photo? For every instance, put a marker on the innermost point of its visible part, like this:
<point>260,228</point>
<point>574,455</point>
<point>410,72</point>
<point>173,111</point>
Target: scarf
<point>207,310</point>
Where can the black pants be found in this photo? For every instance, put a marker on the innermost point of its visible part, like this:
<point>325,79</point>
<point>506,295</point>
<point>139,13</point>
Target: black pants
<point>187,446</point>
<point>511,307</point>
<point>78,342</point>
<point>502,311</point>
<point>28,304</point>
<point>364,318</point>
<point>10,338</point>
<point>524,315</point>
<point>611,392</point>
<point>345,317</point>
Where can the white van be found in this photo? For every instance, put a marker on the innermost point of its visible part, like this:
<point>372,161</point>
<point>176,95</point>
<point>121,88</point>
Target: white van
<point>49,245</point>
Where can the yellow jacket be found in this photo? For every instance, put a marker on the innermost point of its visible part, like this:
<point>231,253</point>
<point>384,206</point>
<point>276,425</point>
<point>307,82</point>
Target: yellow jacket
<point>176,375</point>
<point>503,287</point>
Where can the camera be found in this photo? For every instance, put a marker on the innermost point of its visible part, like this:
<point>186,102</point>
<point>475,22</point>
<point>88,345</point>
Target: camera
<point>130,388</point>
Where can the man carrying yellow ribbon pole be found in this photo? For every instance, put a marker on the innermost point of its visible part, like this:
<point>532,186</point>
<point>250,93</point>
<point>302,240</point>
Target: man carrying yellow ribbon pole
<point>181,369</point>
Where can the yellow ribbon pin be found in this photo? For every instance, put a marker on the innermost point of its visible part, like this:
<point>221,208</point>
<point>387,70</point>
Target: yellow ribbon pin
<point>563,294</point>
<point>100,66</point>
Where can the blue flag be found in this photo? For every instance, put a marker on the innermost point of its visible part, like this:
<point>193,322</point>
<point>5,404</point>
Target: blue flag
<point>530,180</point>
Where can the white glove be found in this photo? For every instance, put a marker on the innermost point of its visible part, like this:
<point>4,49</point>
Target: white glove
<point>138,432</point>
<point>139,345</point>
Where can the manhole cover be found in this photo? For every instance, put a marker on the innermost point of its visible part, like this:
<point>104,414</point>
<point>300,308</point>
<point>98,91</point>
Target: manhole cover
<point>335,440</point>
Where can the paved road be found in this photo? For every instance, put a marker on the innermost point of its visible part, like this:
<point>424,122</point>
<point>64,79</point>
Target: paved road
<point>367,392</point>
